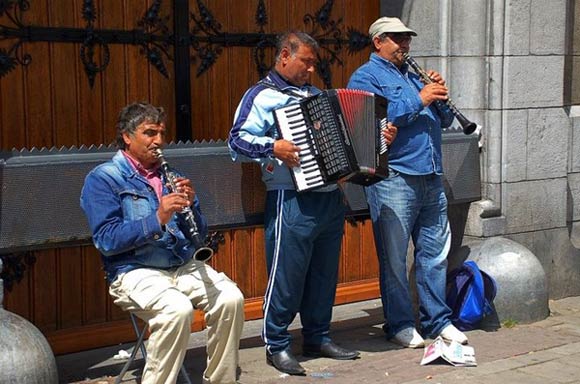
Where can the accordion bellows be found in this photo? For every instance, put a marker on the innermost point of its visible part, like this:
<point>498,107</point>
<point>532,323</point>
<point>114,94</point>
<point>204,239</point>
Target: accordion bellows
<point>339,133</point>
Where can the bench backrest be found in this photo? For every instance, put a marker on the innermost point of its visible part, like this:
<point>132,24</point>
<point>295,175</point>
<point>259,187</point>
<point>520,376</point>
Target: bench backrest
<point>40,189</point>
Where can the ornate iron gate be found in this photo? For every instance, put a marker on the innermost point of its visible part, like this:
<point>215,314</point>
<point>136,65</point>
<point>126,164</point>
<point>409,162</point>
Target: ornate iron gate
<point>196,38</point>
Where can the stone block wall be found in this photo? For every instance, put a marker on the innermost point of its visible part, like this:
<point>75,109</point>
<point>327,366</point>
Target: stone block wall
<point>510,67</point>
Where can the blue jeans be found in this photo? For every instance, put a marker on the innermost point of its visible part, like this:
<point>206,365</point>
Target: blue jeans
<point>404,207</point>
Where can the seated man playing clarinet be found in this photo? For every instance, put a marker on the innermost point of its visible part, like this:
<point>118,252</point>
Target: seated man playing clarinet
<point>411,202</point>
<point>135,215</point>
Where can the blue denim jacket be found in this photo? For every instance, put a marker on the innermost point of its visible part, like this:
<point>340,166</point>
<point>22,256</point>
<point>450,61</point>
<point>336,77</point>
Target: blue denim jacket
<point>417,147</point>
<point>121,208</point>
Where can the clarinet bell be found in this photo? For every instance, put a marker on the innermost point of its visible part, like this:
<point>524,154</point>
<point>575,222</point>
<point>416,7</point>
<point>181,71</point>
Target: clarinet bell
<point>467,125</point>
<point>203,254</point>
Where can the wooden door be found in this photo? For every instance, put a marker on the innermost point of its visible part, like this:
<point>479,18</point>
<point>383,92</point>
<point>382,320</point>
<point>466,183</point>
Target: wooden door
<point>68,66</point>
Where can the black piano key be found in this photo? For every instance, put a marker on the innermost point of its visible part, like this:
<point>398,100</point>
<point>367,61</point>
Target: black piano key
<point>296,121</point>
<point>293,113</point>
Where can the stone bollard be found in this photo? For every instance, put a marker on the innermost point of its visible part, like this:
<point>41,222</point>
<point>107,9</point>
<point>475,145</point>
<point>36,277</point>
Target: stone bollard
<point>25,356</point>
<point>522,288</point>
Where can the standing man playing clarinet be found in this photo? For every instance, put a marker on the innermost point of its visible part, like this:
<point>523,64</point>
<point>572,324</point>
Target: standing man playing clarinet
<point>148,258</point>
<point>410,203</point>
<point>303,230</point>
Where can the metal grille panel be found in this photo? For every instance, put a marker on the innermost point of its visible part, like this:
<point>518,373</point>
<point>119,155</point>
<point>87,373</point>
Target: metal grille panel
<point>40,189</point>
<point>461,168</point>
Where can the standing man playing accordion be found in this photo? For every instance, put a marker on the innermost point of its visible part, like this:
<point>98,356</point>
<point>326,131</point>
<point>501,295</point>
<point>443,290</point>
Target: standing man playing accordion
<point>303,230</point>
<point>148,259</point>
<point>411,202</point>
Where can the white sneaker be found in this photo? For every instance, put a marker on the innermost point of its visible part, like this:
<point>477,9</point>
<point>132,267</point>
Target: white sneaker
<point>409,338</point>
<point>450,333</point>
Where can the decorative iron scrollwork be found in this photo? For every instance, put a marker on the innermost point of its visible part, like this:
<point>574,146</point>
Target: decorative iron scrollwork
<point>13,10</point>
<point>156,48</point>
<point>14,267</point>
<point>208,40</point>
<point>153,36</point>
<point>205,31</point>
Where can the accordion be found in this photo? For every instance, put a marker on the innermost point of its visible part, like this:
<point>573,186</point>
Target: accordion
<point>339,134</point>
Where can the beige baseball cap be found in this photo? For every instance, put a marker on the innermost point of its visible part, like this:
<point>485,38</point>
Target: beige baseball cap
<point>389,25</point>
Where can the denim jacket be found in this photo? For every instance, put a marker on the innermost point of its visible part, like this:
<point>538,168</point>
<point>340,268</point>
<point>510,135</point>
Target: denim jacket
<point>121,208</point>
<point>417,147</point>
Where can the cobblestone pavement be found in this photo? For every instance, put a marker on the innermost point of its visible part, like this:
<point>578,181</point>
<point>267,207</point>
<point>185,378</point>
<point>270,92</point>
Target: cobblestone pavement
<point>547,351</point>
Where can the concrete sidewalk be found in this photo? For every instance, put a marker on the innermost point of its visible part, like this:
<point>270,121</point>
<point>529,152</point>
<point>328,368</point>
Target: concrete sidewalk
<point>547,351</point>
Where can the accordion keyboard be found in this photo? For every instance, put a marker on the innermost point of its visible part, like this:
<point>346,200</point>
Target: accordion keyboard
<point>294,128</point>
<point>338,132</point>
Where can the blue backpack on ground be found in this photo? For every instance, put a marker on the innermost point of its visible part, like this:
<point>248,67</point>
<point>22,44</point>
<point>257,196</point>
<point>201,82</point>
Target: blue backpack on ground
<point>470,294</point>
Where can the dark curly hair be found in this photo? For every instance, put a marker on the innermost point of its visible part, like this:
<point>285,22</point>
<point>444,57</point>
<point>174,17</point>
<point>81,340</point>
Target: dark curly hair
<point>134,115</point>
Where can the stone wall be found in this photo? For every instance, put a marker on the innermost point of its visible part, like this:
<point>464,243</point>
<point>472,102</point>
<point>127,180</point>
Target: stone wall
<point>510,67</point>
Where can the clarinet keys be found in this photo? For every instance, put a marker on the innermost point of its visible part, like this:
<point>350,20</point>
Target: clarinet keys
<point>467,125</point>
<point>187,215</point>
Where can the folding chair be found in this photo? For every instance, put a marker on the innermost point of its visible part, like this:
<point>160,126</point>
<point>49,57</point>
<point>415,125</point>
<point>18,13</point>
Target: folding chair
<point>139,344</point>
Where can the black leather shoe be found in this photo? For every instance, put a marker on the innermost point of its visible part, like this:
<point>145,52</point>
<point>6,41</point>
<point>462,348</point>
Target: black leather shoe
<point>329,350</point>
<point>285,362</point>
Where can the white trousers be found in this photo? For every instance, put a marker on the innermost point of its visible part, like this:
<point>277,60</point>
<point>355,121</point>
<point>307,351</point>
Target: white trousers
<point>166,300</point>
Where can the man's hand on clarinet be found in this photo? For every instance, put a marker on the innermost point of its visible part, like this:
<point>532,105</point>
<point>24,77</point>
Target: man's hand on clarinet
<point>169,204</point>
<point>433,92</point>
<point>288,152</point>
<point>436,77</point>
<point>175,201</point>
<point>184,186</point>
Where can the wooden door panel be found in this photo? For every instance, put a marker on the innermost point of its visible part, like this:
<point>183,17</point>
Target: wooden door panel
<point>50,103</point>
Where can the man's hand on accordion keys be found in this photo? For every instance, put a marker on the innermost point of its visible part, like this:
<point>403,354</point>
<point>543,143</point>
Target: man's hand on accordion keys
<point>389,133</point>
<point>287,152</point>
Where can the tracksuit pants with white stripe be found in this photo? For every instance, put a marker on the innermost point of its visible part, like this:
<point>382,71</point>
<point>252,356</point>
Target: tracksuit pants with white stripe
<point>303,238</point>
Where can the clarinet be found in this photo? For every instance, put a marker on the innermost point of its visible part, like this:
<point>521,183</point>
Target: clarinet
<point>467,126</point>
<point>202,252</point>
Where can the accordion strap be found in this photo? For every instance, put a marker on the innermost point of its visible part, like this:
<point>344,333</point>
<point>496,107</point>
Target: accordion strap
<point>288,92</point>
